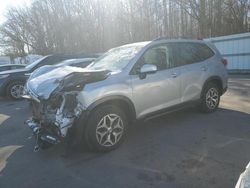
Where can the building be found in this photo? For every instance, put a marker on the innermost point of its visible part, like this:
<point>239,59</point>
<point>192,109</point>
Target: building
<point>236,49</point>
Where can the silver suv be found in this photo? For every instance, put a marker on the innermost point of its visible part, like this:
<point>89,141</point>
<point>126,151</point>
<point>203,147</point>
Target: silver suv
<point>131,82</point>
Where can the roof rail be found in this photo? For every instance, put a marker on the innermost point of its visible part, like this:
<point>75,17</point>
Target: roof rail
<point>162,38</point>
<point>168,38</point>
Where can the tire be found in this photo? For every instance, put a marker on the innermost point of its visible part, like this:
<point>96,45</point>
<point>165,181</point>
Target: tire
<point>210,98</point>
<point>103,138</point>
<point>14,90</point>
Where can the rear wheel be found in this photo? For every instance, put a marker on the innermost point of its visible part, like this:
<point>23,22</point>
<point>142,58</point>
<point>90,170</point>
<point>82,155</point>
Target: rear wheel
<point>15,90</point>
<point>210,98</point>
<point>106,128</point>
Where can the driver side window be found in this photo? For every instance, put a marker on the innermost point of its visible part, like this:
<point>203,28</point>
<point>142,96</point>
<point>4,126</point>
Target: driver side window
<point>160,55</point>
<point>156,56</point>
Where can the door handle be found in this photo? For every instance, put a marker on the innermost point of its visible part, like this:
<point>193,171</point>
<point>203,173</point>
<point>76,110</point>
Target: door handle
<point>174,75</point>
<point>204,68</point>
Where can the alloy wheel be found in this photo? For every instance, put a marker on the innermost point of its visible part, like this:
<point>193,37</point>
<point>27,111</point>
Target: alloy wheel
<point>17,91</point>
<point>109,130</point>
<point>212,98</point>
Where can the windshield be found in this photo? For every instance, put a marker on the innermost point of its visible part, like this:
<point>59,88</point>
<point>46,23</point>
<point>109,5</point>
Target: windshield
<point>32,65</point>
<point>116,59</point>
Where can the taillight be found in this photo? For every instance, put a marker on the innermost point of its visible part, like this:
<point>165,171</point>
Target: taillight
<point>224,61</point>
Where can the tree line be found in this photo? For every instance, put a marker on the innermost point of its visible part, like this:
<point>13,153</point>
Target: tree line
<point>84,26</point>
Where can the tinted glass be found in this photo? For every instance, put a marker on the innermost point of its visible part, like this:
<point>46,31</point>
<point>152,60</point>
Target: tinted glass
<point>204,51</point>
<point>188,53</point>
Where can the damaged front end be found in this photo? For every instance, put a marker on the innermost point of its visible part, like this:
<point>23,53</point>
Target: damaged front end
<point>54,103</point>
<point>52,118</point>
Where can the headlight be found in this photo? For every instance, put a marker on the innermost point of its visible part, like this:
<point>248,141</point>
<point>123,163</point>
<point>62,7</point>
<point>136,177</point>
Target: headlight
<point>4,76</point>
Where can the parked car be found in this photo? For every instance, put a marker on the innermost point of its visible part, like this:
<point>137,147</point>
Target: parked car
<point>128,83</point>
<point>11,67</point>
<point>70,62</point>
<point>83,62</point>
<point>12,81</point>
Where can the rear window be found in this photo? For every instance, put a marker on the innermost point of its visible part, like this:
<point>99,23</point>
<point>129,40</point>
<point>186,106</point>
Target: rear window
<point>188,53</point>
<point>204,51</point>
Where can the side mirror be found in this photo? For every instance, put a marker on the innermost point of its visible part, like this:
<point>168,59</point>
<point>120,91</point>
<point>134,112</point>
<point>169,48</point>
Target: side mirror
<point>147,69</point>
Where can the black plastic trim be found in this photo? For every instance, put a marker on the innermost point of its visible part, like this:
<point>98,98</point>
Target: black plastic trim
<point>112,98</point>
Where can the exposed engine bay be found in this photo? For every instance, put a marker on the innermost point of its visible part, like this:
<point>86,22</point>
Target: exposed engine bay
<point>56,108</point>
<point>52,119</point>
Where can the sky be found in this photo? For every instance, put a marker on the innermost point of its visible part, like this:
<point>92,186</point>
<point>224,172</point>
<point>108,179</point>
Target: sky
<point>5,4</point>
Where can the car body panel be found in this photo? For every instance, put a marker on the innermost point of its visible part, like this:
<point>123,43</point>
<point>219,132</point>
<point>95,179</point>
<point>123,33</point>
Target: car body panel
<point>192,78</point>
<point>116,84</point>
<point>155,92</point>
<point>64,76</point>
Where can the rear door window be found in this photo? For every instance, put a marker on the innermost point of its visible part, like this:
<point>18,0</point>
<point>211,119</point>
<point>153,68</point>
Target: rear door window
<point>188,53</point>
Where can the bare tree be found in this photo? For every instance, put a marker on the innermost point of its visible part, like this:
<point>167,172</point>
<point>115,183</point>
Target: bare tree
<point>82,26</point>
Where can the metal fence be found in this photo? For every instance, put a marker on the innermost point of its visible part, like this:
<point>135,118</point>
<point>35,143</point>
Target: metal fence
<point>236,49</point>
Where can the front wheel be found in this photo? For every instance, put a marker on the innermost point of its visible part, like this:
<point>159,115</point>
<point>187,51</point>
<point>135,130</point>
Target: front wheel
<point>106,128</point>
<point>15,90</point>
<point>210,98</point>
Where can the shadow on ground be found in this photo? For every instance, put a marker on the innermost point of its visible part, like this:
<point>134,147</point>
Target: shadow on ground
<point>181,149</point>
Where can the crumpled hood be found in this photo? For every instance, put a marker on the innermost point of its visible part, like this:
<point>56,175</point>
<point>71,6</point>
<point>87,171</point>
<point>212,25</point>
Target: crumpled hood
<point>64,78</point>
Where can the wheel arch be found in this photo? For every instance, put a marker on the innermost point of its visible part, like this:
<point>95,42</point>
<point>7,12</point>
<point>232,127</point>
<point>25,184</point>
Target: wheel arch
<point>214,79</point>
<point>10,81</point>
<point>120,101</point>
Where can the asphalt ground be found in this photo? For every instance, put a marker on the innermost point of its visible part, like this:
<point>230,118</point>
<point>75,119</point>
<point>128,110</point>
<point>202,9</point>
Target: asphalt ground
<point>179,150</point>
